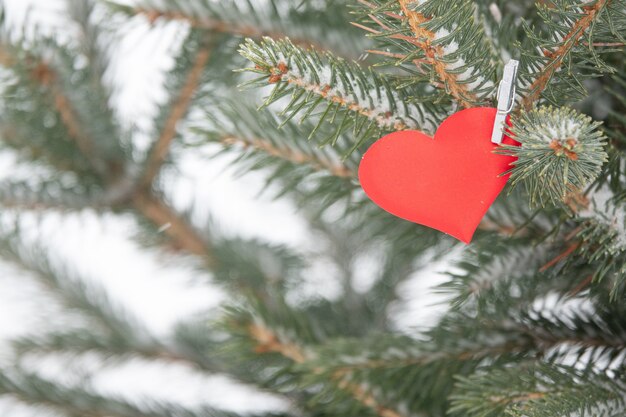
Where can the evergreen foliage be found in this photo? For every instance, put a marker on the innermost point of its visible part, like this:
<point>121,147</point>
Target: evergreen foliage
<point>552,144</point>
<point>535,317</point>
<point>349,96</point>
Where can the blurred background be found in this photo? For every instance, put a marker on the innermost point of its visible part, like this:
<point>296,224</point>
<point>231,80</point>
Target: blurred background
<point>160,291</point>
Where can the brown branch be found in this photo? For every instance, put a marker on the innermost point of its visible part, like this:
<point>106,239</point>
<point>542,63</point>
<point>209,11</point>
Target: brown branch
<point>325,92</point>
<point>605,44</point>
<point>268,341</point>
<point>503,230</point>
<point>292,155</point>
<point>181,233</point>
<point>434,54</point>
<point>147,204</point>
<point>361,394</point>
<point>386,120</point>
<point>518,399</point>
<point>558,56</point>
<point>418,62</point>
<point>423,39</point>
<point>430,357</point>
<point>72,124</point>
<point>392,55</point>
<point>219,26</point>
<point>570,249</point>
<point>32,205</point>
<point>44,75</point>
<point>581,286</point>
<point>179,110</point>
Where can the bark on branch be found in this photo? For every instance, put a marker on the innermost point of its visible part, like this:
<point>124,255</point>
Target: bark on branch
<point>268,341</point>
<point>181,233</point>
<point>557,57</point>
<point>178,112</point>
<point>292,155</point>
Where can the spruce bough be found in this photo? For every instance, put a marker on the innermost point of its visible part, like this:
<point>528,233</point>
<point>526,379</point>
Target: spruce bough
<point>535,323</point>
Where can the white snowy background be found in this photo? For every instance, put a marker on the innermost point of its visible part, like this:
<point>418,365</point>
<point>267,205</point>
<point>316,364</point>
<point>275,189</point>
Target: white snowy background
<point>102,249</point>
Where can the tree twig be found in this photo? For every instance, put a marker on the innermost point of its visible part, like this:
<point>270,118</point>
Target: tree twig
<point>423,38</point>
<point>268,341</point>
<point>182,234</point>
<point>282,73</point>
<point>179,110</point>
<point>144,201</point>
<point>557,57</point>
<point>292,155</point>
<point>605,44</point>
<point>570,249</point>
<point>72,124</point>
<point>43,74</point>
<point>220,26</point>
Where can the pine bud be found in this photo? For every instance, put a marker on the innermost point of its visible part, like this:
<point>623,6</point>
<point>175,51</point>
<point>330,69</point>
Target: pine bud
<point>560,153</point>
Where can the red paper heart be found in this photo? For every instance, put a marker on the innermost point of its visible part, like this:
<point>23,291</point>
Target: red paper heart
<point>447,183</point>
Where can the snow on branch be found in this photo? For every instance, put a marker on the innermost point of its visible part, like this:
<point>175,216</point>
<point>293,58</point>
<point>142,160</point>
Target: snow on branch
<point>559,49</point>
<point>444,42</point>
<point>561,153</point>
<point>352,96</point>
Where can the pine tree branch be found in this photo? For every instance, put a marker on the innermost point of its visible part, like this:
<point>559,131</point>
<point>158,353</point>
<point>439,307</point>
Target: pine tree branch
<point>532,340</point>
<point>581,286</point>
<point>307,24</point>
<point>291,155</point>
<point>179,110</point>
<point>361,394</point>
<point>114,348</point>
<point>537,390</point>
<point>563,255</point>
<point>81,400</point>
<point>152,208</point>
<point>557,57</point>
<point>427,358</point>
<point>70,119</point>
<point>423,39</point>
<point>561,152</point>
<point>349,96</point>
<point>268,341</point>
<point>23,196</point>
<point>601,237</point>
<point>282,72</point>
<point>605,44</point>
<point>398,56</point>
<point>44,75</point>
<point>220,26</point>
<point>163,216</point>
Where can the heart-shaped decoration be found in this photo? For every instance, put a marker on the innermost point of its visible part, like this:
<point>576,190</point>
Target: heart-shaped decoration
<point>447,182</point>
